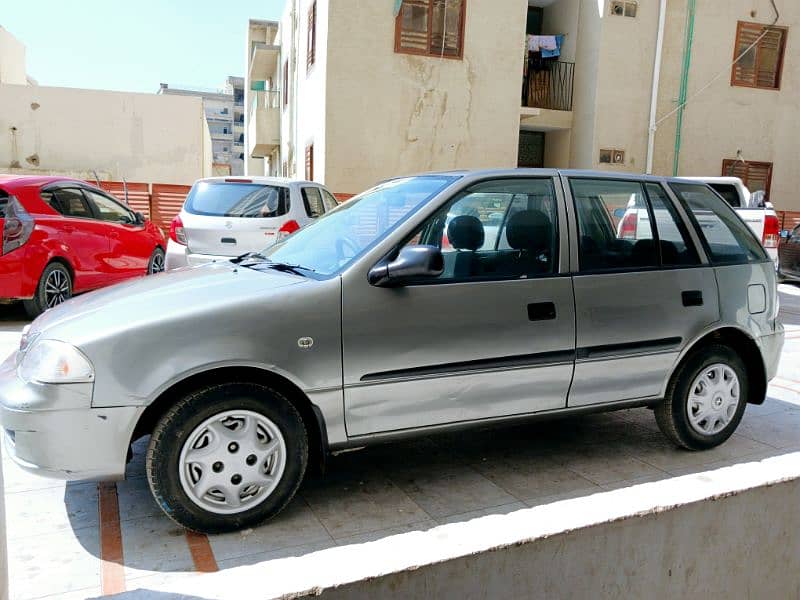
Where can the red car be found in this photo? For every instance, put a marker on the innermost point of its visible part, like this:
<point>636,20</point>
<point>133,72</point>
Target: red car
<point>63,237</point>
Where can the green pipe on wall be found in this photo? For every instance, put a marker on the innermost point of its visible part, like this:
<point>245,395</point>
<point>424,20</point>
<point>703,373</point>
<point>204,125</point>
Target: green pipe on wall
<point>687,60</point>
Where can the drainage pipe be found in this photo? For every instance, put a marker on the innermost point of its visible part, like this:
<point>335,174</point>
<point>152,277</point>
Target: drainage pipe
<point>651,131</point>
<point>687,60</point>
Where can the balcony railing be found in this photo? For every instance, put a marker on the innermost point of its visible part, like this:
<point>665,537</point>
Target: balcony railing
<point>263,128</point>
<point>549,85</point>
<point>265,99</point>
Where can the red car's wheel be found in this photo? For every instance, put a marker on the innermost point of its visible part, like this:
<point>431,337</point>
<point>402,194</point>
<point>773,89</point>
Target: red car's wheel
<point>55,286</point>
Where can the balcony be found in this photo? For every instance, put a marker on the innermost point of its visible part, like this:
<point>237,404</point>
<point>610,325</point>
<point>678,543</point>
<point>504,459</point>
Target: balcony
<point>263,61</point>
<point>264,127</point>
<point>547,96</point>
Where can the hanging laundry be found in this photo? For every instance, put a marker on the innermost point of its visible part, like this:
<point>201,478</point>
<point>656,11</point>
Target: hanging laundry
<point>554,52</point>
<point>542,42</point>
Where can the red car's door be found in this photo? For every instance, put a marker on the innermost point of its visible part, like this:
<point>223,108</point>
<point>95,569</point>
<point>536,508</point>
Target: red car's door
<point>129,248</point>
<point>84,241</point>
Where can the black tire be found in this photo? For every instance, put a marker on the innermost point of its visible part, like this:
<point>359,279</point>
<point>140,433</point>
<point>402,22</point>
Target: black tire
<point>672,413</point>
<point>54,274</point>
<point>156,262</point>
<point>175,428</point>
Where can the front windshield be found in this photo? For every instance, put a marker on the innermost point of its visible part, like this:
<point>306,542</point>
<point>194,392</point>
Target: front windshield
<point>334,240</point>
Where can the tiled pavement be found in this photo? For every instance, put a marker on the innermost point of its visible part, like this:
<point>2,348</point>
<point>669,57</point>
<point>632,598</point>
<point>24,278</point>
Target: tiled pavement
<point>54,540</point>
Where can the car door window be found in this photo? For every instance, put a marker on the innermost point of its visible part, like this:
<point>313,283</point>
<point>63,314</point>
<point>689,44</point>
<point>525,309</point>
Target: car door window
<point>727,239</point>
<point>69,202</point>
<point>504,229</point>
<point>614,225</point>
<point>673,239</point>
<point>328,200</point>
<point>108,209</point>
<point>312,199</point>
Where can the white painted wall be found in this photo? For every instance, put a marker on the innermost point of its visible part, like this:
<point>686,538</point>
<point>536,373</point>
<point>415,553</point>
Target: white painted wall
<point>142,137</point>
<point>12,59</point>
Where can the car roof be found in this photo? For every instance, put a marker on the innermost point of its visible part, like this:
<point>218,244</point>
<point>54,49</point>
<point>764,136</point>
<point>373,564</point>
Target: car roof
<point>11,181</point>
<point>283,181</point>
<point>488,173</point>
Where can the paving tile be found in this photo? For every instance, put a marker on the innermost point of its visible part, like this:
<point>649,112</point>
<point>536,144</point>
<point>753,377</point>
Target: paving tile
<point>780,430</point>
<point>449,491</point>
<point>605,463</point>
<point>17,480</point>
<point>503,509</point>
<point>56,563</point>
<point>371,536</point>
<point>154,543</point>
<point>135,499</point>
<point>260,557</point>
<point>532,477</point>
<point>36,512</point>
<point>295,526</point>
<point>351,503</point>
<point>542,500</point>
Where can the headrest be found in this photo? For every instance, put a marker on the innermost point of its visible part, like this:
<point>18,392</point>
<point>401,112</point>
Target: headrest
<point>465,233</point>
<point>529,230</point>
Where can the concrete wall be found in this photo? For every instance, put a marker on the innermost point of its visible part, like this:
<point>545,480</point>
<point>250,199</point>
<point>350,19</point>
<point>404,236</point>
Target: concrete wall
<point>12,59</point>
<point>764,124</point>
<point>389,114</point>
<point>141,137</point>
<point>741,546</point>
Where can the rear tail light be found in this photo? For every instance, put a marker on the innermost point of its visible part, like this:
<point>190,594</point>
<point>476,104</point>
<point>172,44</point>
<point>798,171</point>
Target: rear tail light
<point>288,229</point>
<point>176,232</point>
<point>17,227</point>
<point>772,232</point>
<point>628,229</point>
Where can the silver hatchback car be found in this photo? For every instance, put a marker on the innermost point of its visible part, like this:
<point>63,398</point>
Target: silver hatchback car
<point>426,303</point>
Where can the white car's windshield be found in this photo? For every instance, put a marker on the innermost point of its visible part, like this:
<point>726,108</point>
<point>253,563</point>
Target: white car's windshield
<point>334,240</point>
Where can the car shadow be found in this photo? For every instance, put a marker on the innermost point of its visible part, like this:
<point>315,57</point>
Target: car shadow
<point>454,477</point>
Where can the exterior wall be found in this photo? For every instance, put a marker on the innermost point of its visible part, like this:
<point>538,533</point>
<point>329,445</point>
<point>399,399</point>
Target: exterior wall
<point>388,114</point>
<point>763,124</point>
<point>141,137</point>
<point>12,59</point>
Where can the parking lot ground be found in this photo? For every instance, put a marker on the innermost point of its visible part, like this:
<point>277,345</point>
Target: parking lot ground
<point>78,540</point>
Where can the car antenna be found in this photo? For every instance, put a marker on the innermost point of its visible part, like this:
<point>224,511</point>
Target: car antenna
<point>125,191</point>
<point>96,178</point>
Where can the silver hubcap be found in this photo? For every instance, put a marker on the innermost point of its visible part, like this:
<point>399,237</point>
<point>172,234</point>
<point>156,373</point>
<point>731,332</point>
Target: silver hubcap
<point>232,461</point>
<point>713,399</point>
<point>56,288</point>
<point>157,264</point>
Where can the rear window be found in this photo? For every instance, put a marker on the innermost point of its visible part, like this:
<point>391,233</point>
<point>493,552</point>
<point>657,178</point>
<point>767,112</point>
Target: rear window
<point>312,198</point>
<point>729,192</point>
<point>248,200</point>
<point>727,239</point>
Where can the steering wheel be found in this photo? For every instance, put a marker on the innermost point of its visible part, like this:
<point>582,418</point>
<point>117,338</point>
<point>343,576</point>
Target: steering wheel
<point>343,244</point>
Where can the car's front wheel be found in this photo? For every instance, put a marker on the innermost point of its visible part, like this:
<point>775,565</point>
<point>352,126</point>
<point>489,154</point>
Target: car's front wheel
<point>227,457</point>
<point>55,286</point>
<point>705,400</point>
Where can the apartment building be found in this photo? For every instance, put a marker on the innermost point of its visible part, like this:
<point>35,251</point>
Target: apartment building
<point>352,92</point>
<point>224,111</point>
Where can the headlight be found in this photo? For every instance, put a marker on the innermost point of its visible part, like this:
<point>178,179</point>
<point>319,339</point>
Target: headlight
<point>51,361</point>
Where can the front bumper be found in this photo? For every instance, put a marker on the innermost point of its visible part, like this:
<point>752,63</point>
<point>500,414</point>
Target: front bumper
<point>51,430</point>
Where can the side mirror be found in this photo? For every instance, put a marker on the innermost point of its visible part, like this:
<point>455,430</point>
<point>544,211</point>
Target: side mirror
<point>139,218</point>
<point>411,262</point>
<point>785,234</point>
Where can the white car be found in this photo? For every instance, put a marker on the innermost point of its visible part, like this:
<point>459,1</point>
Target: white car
<point>224,217</point>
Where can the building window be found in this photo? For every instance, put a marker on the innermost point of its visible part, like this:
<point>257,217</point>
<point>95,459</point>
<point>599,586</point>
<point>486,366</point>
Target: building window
<point>755,175</point>
<point>431,28</point>
<point>286,83</point>
<point>612,156</point>
<point>624,8</point>
<point>312,35</point>
<point>310,162</point>
<point>761,65</point>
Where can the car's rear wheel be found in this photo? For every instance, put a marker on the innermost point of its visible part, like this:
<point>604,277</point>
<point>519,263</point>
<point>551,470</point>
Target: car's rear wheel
<point>705,400</point>
<point>54,287</point>
<point>227,457</point>
<point>156,263</point>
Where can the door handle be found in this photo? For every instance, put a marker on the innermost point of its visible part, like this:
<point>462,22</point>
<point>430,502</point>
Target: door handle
<point>68,228</point>
<point>113,235</point>
<point>228,240</point>
<point>541,311</point>
<point>692,298</point>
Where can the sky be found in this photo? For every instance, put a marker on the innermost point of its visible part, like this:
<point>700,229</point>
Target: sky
<point>134,45</point>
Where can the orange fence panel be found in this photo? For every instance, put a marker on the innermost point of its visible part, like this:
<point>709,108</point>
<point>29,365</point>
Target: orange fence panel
<point>166,201</point>
<point>789,219</point>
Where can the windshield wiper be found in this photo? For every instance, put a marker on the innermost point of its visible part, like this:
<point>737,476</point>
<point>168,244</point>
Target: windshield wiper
<point>246,255</point>
<point>288,268</point>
